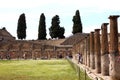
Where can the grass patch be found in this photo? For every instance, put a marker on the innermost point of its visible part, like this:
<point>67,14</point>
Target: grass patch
<point>83,75</point>
<point>36,70</point>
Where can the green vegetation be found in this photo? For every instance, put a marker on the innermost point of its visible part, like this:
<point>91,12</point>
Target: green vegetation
<point>42,28</point>
<point>55,30</point>
<point>82,75</point>
<point>77,24</point>
<point>21,28</point>
<point>36,70</point>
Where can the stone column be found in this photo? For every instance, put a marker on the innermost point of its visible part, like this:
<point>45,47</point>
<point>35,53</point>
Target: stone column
<point>84,51</point>
<point>104,50</point>
<point>97,51</point>
<point>114,53</point>
<point>86,48</point>
<point>92,56</point>
<point>88,51</point>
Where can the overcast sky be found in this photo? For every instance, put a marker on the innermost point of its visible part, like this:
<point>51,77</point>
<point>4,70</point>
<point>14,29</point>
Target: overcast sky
<point>93,13</point>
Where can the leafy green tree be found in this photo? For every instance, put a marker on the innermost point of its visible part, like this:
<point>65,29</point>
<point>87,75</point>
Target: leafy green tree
<point>77,25</point>
<point>42,28</point>
<point>21,28</point>
<point>55,30</point>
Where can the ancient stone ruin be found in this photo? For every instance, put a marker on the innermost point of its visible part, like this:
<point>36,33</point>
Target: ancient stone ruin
<point>103,52</point>
<point>99,49</point>
<point>31,49</point>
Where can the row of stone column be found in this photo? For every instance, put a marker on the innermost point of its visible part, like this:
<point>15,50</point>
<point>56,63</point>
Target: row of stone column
<point>99,55</point>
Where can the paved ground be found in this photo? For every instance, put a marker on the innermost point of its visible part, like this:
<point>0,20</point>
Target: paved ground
<point>91,73</point>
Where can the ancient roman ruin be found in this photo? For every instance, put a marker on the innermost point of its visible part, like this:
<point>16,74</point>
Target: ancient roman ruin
<point>103,54</point>
<point>99,49</point>
<point>31,49</point>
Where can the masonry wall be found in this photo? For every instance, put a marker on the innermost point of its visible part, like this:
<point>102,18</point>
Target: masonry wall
<point>29,50</point>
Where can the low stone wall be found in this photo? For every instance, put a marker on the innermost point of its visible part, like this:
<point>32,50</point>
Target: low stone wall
<point>31,50</point>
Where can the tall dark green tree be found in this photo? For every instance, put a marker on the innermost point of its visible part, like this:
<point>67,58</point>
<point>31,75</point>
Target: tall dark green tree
<point>42,28</point>
<point>21,28</point>
<point>55,30</point>
<point>77,24</point>
<point>61,33</point>
<point>54,27</point>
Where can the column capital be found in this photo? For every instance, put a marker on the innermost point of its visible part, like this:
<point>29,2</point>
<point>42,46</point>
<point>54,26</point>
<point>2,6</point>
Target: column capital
<point>113,16</point>
<point>97,29</point>
<point>92,32</point>
<point>104,25</point>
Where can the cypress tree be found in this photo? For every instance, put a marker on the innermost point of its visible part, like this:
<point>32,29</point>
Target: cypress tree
<point>21,28</point>
<point>77,25</point>
<point>42,28</point>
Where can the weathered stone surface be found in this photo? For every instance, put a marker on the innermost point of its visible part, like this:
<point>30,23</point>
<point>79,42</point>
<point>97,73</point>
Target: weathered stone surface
<point>113,33</point>
<point>104,50</point>
<point>92,56</point>
<point>97,51</point>
<point>114,53</point>
<point>88,51</point>
<point>85,52</point>
<point>114,66</point>
<point>31,50</point>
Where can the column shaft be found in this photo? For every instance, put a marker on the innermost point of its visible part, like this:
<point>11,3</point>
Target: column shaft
<point>92,57</point>
<point>88,51</point>
<point>97,51</point>
<point>104,50</point>
<point>114,53</point>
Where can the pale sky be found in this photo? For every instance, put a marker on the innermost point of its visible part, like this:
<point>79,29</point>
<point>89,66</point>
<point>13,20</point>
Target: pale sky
<point>93,13</point>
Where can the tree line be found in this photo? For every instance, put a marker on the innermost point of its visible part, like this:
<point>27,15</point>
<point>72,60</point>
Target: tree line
<point>55,30</point>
